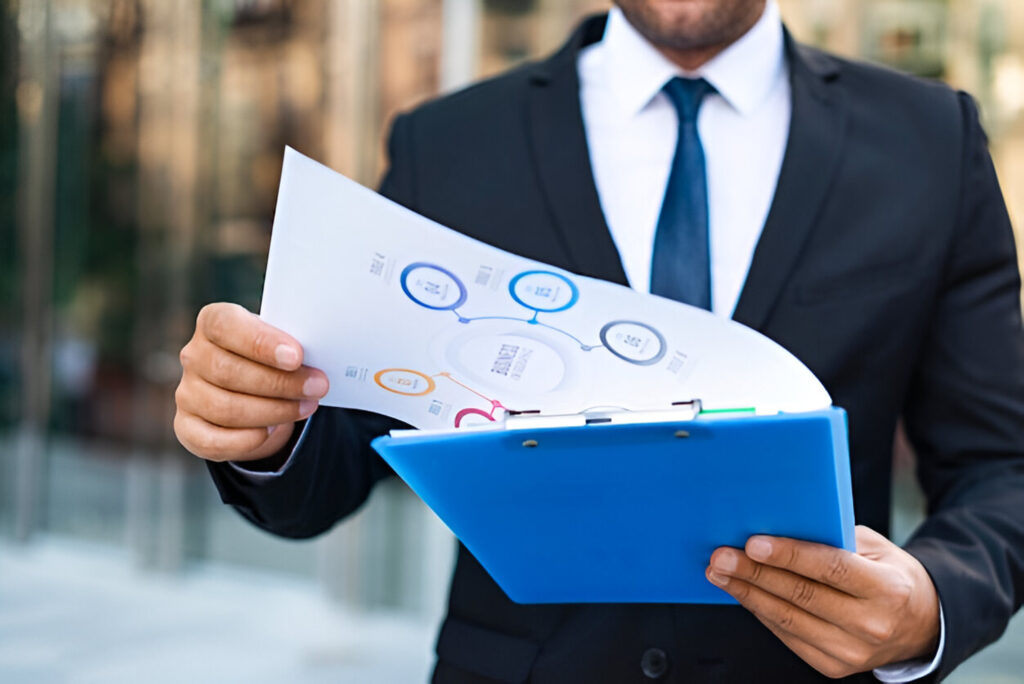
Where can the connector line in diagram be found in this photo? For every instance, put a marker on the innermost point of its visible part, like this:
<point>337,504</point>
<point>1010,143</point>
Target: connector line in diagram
<point>434,287</point>
<point>412,383</point>
<point>437,288</point>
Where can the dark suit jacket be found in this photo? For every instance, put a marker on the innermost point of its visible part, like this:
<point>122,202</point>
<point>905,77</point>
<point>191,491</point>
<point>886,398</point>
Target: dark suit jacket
<point>886,264</point>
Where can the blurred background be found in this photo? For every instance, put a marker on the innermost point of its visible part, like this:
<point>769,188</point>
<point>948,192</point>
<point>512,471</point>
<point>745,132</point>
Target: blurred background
<point>140,149</point>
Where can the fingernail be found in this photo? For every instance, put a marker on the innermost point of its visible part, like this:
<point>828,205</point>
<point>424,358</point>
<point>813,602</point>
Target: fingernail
<point>270,430</point>
<point>759,549</point>
<point>726,561</point>
<point>315,386</point>
<point>286,356</point>
<point>717,579</point>
<point>306,407</point>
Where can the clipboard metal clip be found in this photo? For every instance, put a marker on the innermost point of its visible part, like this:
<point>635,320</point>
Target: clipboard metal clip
<point>679,411</point>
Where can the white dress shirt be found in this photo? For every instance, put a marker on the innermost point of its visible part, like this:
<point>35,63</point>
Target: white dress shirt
<point>631,130</point>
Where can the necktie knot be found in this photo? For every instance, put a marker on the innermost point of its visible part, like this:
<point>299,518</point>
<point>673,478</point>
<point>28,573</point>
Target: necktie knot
<point>686,95</point>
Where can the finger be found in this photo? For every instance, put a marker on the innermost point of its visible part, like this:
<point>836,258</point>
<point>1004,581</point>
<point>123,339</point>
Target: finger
<point>234,410</point>
<point>828,603</point>
<point>829,565</point>
<point>828,638</point>
<point>213,442</point>
<point>226,369</point>
<point>816,658</point>
<point>231,327</point>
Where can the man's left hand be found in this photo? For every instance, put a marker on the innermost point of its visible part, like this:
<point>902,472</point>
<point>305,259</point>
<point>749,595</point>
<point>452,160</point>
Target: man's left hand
<point>841,612</point>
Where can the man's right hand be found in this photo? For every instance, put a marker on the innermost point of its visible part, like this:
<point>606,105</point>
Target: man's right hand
<point>242,386</point>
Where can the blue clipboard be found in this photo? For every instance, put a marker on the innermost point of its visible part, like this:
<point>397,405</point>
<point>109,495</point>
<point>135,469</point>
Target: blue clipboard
<point>623,512</point>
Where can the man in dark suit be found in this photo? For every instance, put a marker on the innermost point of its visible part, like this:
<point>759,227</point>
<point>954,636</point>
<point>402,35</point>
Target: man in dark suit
<point>850,213</point>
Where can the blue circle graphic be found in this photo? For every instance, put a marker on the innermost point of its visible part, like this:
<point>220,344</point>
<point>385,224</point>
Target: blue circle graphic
<point>423,264</point>
<point>574,292</point>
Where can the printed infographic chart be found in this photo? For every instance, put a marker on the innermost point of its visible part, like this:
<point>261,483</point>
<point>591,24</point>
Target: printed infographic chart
<point>421,323</point>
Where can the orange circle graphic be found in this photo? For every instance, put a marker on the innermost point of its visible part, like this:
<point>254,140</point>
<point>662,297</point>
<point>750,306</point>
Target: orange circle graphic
<point>431,385</point>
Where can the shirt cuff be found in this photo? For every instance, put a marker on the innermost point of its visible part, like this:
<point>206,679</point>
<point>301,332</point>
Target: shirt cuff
<point>910,670</point>
<point>264,476</point>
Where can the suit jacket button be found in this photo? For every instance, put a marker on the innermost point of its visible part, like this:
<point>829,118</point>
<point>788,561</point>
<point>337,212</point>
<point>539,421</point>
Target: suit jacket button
<point>654,663</point>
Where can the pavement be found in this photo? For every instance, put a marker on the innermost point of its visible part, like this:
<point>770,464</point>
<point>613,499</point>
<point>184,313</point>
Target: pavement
<point>79,613</point>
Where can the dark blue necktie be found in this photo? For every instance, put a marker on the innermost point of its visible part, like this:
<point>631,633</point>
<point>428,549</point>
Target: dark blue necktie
<point>681,265</point>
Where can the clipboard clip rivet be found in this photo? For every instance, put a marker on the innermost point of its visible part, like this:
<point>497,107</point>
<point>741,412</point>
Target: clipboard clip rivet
<point>530,443</point>
<point>682,433</point>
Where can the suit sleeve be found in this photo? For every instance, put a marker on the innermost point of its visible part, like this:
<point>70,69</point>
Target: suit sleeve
<point>965,417</point>
<point>332,468</point>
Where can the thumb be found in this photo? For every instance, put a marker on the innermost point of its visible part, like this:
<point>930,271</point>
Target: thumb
<point>871,544</point>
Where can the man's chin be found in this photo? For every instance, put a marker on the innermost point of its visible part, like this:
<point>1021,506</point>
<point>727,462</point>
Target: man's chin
<point>691,24</point>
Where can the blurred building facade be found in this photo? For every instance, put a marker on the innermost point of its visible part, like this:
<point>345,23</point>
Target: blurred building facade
<point>140,149</point>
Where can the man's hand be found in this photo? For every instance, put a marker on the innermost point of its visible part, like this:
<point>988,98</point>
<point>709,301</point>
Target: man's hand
<point>242,387</point>
<point>841,612</point>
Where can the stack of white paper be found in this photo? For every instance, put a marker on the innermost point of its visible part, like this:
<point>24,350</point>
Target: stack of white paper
<point>418,322</point>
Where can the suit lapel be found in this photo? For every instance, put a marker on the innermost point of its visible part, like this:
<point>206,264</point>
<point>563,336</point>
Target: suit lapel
<point>559,147</point>
<point>816,135</point>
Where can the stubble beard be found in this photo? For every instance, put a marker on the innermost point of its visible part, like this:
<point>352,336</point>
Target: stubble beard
<point>688,25</point>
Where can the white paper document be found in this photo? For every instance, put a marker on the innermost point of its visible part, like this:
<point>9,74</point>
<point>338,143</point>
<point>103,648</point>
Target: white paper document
<point>415,321</point>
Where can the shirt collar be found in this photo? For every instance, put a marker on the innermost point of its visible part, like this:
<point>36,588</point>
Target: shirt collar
<point>743,74</point>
